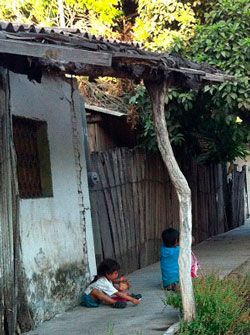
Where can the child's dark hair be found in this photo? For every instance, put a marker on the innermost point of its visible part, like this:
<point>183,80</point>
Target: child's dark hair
<point>170,237</point>
<point>107,266</point>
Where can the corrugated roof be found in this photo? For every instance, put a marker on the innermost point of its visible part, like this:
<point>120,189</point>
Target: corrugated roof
<point>67,35</point>
<point>75,52</point>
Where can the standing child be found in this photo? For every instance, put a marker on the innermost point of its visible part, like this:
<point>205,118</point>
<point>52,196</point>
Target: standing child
<point>101,289</point>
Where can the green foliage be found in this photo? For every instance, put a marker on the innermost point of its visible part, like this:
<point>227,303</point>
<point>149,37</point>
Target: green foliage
<point>222,139</point>
<point>96,16</point>
<point>222,307</point>
<point>147,133</point>
<point>110,329</point>
<point>208,120</point>
<point>224,42</point>
<point>208,136</point>
<point>160,23</point>
<point>29,11</point>
<point>205,122</point>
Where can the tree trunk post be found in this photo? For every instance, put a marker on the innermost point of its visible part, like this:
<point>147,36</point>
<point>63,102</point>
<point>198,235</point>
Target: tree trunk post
<point>61,13</point>
<point>157,92</point>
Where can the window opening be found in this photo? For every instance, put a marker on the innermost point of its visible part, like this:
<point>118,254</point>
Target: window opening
<point>33,158</point>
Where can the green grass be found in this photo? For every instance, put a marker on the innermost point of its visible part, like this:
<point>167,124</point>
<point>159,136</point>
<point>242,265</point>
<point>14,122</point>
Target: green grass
<point>110,329</point>
<point>222,307</point>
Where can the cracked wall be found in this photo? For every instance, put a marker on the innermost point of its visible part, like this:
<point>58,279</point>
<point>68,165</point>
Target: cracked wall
<point>56,232</point>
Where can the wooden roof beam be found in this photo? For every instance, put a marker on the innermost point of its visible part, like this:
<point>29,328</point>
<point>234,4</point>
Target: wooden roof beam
<point>56,53</point>
<point>104,110</point>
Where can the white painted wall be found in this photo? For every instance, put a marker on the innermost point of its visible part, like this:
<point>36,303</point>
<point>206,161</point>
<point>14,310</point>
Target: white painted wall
<point>52,229</point>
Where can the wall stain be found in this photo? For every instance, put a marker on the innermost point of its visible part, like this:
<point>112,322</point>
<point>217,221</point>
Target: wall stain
<point>54,291</point>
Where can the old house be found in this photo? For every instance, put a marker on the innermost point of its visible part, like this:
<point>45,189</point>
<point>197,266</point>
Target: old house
<point>46,240</point>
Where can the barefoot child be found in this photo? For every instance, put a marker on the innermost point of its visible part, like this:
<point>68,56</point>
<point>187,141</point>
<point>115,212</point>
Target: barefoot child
<point>102,290</point>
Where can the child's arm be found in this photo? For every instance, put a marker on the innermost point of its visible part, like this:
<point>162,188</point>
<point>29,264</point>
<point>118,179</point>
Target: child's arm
<point>128,297</point>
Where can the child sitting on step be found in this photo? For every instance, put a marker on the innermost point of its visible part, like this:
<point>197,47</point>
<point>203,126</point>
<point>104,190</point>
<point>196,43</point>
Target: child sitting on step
<point>102,290</point>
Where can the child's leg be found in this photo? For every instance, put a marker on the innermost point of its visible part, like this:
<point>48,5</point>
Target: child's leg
<point>116,298</point>
<point>172,287</point>
<point>88,301</point>
<point>99,295</point>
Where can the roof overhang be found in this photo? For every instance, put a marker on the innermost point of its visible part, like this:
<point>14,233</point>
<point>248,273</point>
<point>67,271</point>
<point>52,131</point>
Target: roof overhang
<point>104,110</point>
<point>57,53</point>
<point>71,52</point>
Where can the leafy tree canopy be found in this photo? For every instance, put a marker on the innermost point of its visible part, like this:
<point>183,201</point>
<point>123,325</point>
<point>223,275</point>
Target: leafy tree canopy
<point>208,121</point>
<point>96,16</point>
<point>161,22</point>
<point>224,42</point>
<point>214,122</point>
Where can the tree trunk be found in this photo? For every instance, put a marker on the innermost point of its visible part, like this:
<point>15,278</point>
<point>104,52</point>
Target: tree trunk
<point>157,93</point>
<point>61,13</point>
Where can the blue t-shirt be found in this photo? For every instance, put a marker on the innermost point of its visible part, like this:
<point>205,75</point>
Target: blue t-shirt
<point>169,265</point>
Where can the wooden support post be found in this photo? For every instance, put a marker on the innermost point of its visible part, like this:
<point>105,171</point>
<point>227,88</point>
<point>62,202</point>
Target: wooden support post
<point>13,301</point>
<point>8,284</point>
<point>158,91</point>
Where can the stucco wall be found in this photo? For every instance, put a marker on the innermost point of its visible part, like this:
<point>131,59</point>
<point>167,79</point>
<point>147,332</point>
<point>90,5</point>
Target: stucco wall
<point>53,230</point>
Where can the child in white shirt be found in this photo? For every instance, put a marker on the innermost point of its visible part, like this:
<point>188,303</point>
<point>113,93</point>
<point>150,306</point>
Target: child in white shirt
<point>101,289</point>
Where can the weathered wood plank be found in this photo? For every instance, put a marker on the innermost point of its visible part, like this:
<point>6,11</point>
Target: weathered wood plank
<point>109,206</point>
<point>100,214</point>
<point>8,286</point>
<point>116,173</point>
<point>135,200</point>
<point>12,286</point>
<point>140,162</point>
<point>146,203</point>
<point>56,53</point>
<point>125,207</point>
<point>116,224</point>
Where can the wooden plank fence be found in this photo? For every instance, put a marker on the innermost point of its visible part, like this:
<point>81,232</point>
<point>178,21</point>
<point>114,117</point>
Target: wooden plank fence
<point>135,200</point>
<point>235,198</point>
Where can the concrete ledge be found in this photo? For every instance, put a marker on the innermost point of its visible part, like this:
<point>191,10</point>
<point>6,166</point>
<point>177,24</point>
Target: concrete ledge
<point>173,329</point>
